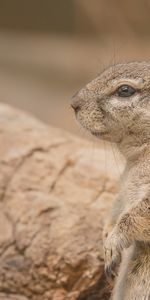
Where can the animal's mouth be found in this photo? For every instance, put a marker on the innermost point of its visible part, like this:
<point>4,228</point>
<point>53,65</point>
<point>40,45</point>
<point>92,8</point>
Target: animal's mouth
<point>99,134</point>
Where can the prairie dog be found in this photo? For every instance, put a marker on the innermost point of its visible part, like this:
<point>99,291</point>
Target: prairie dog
<point>115,106</point>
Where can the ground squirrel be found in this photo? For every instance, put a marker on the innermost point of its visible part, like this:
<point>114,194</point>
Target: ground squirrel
<point>116,107</point>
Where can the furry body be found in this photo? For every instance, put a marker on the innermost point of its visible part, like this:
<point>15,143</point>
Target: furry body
<point>116,107</point>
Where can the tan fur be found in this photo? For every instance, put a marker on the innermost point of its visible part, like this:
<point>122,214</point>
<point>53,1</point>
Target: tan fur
<point>125,121</point>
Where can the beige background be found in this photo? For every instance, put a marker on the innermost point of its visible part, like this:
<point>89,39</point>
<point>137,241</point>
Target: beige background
<point>50,49</point>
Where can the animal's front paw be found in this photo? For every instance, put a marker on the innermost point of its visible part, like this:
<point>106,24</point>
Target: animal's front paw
<point>113,247</point>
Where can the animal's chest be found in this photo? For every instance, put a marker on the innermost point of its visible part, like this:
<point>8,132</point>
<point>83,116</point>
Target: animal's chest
<point>134,188</point>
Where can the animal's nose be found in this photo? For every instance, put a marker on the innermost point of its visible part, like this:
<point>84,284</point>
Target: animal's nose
<point>76,102</point>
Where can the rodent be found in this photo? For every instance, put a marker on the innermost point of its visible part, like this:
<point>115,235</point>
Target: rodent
<point>115,106</point>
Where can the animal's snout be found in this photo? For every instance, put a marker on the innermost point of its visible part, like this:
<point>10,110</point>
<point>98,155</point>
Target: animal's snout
<point>76,102</point>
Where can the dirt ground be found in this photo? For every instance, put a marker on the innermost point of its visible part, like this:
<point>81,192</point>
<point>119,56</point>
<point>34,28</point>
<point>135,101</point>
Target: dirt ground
<point>40,73</point>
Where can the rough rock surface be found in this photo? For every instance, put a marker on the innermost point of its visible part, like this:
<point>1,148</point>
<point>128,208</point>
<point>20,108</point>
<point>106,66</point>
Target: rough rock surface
<point>53,201</point>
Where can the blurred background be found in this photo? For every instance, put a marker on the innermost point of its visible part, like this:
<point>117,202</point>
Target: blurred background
<point>50,48</point>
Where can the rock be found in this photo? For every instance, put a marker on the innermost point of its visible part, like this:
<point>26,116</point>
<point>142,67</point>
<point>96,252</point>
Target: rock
<point>54,199</point>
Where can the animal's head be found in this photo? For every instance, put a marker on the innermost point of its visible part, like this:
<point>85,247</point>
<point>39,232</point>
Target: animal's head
<point>116,104</point>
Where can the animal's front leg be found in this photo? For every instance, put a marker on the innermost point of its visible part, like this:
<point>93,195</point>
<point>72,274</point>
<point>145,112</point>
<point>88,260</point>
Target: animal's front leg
<point>110,239</point>
<point>133,225</point>
<point>112,218</point>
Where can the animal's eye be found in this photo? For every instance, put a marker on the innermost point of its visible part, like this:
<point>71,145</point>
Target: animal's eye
<point>125,91</point>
